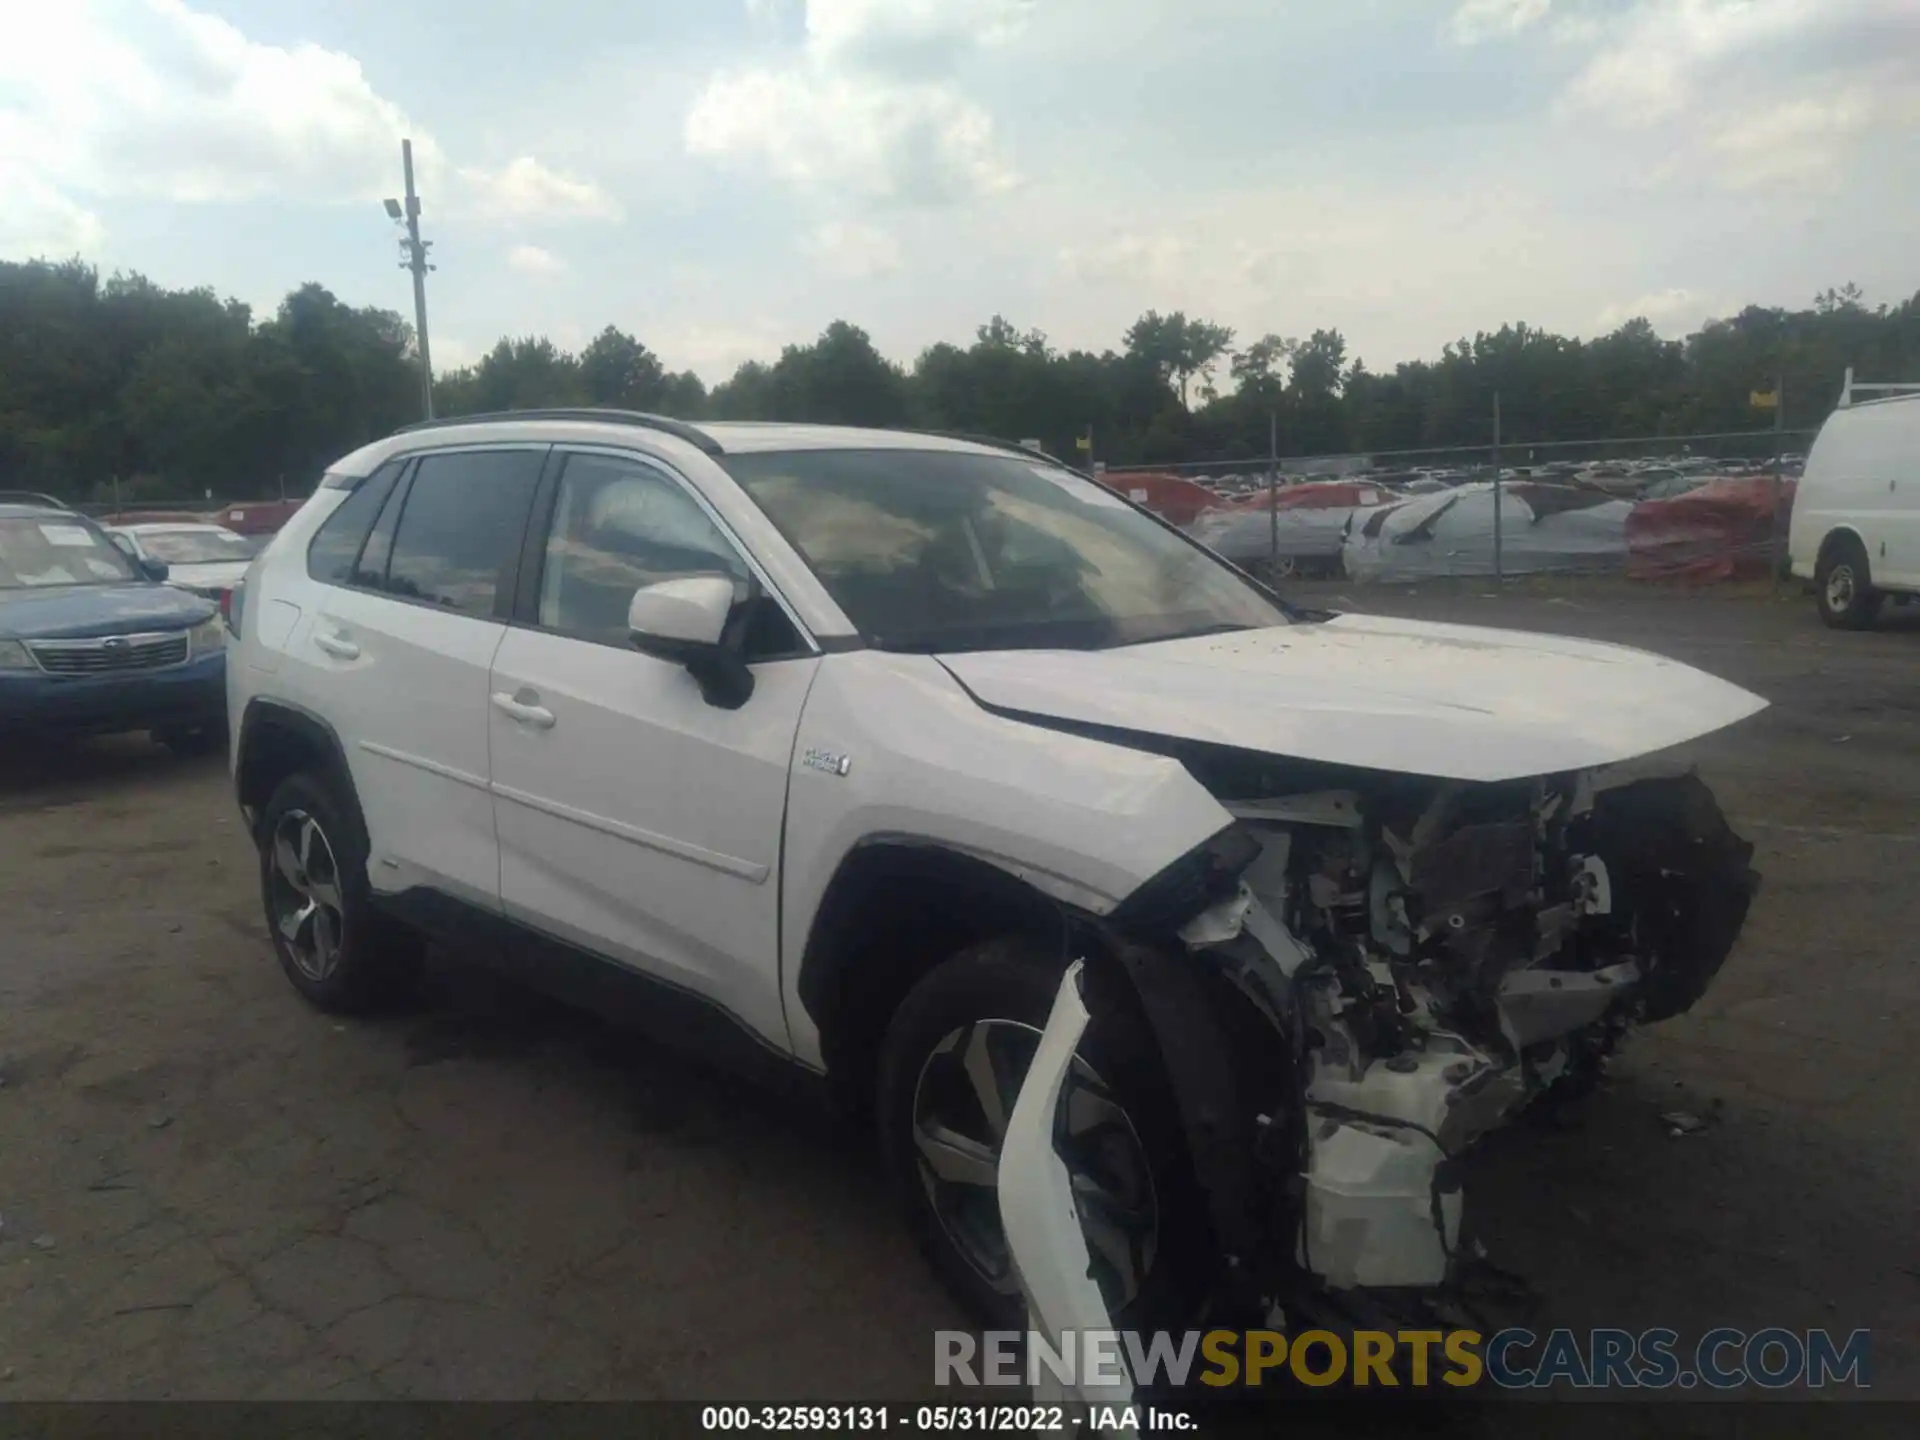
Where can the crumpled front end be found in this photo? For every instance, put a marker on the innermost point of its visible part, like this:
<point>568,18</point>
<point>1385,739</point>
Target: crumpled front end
<point>1355,983</point>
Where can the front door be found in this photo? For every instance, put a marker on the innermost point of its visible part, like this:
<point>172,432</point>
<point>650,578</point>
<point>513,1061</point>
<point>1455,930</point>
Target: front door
<point>636,821</point>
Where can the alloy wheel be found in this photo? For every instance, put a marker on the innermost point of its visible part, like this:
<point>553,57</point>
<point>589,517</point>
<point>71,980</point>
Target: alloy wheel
<point>961,1104</point>
<point>304,900</point>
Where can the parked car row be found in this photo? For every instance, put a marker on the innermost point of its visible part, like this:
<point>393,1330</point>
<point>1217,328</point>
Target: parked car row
<point>93,638</point>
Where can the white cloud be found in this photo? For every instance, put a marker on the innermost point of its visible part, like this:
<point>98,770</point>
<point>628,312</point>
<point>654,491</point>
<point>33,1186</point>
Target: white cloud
<point>862,109</point>
<point>1672,311</point>
<point>1476,21</point>
<point>36,220</point>
<point>524,189</point>
<point>155,99</point>
<point>855,250</point>
<point>1130,259</point>
<point>1792,143</point>
<point>532,260</point>
<point>1751,92</point>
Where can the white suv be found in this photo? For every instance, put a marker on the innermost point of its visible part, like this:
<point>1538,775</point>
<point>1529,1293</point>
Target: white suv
<point>833,751</point>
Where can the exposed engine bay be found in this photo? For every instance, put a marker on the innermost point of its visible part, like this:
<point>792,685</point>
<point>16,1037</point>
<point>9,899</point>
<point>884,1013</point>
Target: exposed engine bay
<point>1434,956</point>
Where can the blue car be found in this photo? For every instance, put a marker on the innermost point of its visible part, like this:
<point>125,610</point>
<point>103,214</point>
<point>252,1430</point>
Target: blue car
<point>94,642</point>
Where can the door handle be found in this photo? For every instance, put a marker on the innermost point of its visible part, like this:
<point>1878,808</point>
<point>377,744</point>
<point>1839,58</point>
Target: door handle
<point>336,647</point>
<point>538,716</point>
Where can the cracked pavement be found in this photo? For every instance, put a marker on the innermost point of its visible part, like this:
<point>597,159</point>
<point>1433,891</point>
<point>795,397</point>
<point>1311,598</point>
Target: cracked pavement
<point>208,1190</point>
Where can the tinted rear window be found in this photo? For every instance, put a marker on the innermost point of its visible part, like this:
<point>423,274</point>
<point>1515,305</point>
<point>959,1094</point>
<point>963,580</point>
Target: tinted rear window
<point>334,548</point>
<point>461,528</point>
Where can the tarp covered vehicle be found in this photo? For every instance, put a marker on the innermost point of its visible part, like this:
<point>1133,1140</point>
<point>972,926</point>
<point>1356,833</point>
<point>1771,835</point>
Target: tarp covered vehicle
<point>1544,528</point>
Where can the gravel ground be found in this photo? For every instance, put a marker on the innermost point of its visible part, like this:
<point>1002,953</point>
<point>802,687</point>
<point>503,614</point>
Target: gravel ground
<point>208,1190</point>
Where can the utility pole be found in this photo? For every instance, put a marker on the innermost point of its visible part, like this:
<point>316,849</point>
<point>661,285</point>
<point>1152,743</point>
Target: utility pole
<point>1499,564</point>
<point>415,250</point>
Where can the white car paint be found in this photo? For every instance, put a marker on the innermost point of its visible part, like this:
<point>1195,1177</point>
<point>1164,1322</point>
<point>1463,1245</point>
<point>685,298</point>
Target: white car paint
<point>1082,821</point>
<point>205,577</point>
<point>1451,701</point>
<point>1863,478</point>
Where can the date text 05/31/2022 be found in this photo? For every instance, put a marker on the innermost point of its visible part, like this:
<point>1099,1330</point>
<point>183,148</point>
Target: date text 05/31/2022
<point>943,1419</point>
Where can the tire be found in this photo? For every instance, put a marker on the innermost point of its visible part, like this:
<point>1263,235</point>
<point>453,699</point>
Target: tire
<point>992,989</point>
<point>1843,585</point>
<point>344,957</point>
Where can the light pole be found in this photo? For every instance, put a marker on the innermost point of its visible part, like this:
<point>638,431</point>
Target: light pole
<point>415,249</point>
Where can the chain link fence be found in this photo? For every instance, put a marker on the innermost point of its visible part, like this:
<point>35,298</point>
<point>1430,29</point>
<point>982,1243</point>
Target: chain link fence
<point>1701,507</point>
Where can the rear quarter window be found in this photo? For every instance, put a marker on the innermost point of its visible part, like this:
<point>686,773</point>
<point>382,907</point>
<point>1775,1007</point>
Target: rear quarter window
<point>336,545</point>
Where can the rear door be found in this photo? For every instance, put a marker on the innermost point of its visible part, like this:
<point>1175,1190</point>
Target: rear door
<point>404,642</point>
<point>639,824</point>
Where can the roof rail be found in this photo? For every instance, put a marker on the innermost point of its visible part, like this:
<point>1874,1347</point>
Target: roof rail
<point>998,444</point>
<point>1853,387</point>
<point>32,497</point>
<point>666,425</point>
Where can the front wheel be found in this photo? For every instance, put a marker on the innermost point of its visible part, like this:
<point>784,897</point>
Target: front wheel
<point>955,1056</point>
<point>1844,585</point>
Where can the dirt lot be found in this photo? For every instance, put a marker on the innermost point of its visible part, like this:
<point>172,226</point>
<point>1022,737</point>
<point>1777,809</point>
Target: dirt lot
<point>209,1190</point>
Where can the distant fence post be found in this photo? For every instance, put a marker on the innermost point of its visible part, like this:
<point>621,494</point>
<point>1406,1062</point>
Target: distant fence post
<point>1273,493</point>
<point>1779,466</point>
<point>1499,563</point>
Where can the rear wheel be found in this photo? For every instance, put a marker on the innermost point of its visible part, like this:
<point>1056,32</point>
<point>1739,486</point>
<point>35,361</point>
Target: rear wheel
<point>956,1054</point>
<point>336,948</point>
<point>1843,585</point>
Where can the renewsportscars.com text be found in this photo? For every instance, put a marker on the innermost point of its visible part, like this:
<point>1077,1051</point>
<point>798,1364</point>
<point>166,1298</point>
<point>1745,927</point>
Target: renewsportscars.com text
<point>1773,1358</point>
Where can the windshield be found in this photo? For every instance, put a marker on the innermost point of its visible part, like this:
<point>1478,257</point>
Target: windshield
<point>39,550</point>
<point>944,551</point>
<point>195,547</point>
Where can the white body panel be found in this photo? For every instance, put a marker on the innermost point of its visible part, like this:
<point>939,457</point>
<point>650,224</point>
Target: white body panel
<point>405,687</point>
<point>639,821</point>
<point>1863,477</point>
<point>223,575</point>
<point>1082,821</point>
<point>1451,701</point>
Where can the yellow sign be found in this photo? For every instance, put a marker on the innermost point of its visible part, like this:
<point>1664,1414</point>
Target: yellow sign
<point>1085,442</point>
<point>1764,399</point>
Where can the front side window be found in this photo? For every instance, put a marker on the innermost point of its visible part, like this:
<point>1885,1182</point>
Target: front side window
<point>460,528</point>
<point>37,551</point>
<point>945,550</point>
<point>619,525</point>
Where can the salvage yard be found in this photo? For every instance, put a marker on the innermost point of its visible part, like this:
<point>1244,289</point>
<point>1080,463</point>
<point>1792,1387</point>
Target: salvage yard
<point>209,1190</point>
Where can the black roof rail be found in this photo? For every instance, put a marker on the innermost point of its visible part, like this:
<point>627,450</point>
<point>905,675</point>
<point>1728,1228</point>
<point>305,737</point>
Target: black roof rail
<point>666,425</point>
<point>34,497</point>
<point>998,444</point>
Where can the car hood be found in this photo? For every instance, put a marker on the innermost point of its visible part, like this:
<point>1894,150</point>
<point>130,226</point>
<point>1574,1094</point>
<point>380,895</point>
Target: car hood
<point>61,612</point>
<point>1451,701</point>
<point>213,575</point>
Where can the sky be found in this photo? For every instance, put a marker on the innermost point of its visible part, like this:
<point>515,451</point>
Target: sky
<point>724,177</point>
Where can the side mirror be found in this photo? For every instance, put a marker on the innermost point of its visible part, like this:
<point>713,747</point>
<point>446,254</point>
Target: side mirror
<point>685,620</point>
<point>155,570</point>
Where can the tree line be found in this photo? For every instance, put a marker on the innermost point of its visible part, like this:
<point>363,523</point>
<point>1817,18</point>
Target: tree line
<point>120,386</point>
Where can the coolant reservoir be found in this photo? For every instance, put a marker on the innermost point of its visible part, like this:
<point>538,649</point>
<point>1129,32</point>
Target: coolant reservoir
<point>1370,1208</point>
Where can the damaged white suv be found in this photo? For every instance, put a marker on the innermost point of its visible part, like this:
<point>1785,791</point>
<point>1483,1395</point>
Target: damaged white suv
<point>833,751</point>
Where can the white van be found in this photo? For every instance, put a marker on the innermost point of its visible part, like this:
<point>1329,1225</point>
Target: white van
<point>1856,514</point>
